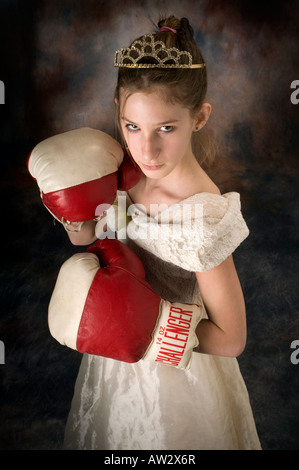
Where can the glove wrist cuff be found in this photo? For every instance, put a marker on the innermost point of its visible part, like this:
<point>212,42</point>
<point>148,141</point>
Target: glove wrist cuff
<point>174,337</point>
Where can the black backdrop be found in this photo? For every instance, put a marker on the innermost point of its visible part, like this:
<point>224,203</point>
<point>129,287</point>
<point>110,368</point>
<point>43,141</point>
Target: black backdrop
<point>56,65</point>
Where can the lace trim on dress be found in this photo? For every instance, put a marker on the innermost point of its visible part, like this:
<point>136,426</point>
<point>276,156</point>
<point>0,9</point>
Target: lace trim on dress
<point>196,234</point>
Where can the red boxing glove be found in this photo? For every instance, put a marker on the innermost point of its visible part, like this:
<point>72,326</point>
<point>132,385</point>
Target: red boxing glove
<point>102,305</point>
<point>78,170</point>
<point>128,173</point>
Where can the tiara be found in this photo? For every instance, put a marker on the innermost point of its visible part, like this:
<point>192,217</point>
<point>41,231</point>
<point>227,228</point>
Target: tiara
<point>161,56</point>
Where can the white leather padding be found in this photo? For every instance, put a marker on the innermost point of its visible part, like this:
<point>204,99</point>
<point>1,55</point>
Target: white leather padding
<point>69,296</point>
<point>74,157</point>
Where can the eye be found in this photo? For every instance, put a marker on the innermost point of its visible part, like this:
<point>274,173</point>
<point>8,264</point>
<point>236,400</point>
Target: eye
<point>167,129</point>
<point>132,127</point>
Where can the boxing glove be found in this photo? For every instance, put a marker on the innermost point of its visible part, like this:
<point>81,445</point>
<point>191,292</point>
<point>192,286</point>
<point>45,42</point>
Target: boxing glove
<point>102,305</point>
<point>78,170</point>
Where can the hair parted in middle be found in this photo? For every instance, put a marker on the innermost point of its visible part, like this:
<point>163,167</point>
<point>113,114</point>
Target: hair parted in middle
<point>188,87</point>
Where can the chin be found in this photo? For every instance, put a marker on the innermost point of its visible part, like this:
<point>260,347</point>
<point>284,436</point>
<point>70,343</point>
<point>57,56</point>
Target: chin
<point>154,175</point>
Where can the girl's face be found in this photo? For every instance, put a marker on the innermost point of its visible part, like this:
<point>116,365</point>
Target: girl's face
<point>157,133</point>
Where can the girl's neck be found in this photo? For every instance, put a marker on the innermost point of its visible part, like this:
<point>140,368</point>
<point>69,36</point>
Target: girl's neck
<point>174,188</point>
<point>182,182</point>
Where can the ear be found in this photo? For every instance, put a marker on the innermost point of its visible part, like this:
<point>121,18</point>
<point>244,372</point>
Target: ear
<point>202,116</point>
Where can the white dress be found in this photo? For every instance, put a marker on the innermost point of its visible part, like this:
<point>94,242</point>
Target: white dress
<point>150,406</point>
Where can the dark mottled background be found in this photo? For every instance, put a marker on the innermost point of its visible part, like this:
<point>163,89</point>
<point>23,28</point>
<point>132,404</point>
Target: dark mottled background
<point>56,63</point>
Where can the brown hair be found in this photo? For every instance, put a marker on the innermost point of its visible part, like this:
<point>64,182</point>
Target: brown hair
<point>185,86</point>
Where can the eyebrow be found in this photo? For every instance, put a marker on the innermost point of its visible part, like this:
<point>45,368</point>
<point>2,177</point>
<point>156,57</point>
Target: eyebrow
<point>171,121</point>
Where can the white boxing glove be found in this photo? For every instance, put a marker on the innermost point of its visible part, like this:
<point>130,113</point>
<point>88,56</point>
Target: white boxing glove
<point>78,170</point>
<point>102,305</point>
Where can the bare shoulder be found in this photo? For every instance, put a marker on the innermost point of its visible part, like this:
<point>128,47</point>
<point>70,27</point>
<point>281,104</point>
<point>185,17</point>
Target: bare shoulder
<point>206,184</point>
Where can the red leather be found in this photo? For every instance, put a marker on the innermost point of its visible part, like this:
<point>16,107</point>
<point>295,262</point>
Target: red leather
<point>128,174</point>
<point>115,253</point>
<point>78,203</point>
<point>121,309</point>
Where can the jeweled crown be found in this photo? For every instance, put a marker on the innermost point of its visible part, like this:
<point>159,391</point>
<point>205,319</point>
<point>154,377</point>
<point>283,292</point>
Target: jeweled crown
<point>156,51</point>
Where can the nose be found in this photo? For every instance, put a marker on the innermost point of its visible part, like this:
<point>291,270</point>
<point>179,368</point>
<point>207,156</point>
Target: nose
<point>150,148</point>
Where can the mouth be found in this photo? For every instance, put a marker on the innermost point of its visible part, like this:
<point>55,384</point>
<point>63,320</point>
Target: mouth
<point>151,167</point>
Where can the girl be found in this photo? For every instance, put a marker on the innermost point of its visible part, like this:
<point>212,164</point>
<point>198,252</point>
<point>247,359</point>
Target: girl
<point>160,100</point>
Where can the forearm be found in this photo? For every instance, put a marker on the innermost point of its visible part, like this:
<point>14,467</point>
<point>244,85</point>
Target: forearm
<point>213,340</point>
<point>224,332</point>
<point>85,236</point>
